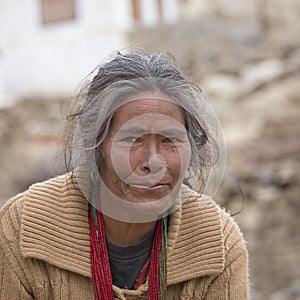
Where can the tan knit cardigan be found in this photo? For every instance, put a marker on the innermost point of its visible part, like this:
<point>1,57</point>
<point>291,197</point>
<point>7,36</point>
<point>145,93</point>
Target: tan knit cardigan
<point>45,249</point>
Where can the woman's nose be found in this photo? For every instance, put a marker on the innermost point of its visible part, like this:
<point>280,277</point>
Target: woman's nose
<point>156,162</point>
<point>153,161</point>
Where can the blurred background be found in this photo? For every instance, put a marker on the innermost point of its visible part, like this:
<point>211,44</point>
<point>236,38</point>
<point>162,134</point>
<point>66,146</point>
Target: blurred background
<point>245,55</point>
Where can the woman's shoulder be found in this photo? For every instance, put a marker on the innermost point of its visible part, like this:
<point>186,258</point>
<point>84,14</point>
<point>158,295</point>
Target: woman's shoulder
<point>26,218</point>
<point>201,203</point>
<point>211,214</point>
<point>56,189</point>
<point>61,184</point>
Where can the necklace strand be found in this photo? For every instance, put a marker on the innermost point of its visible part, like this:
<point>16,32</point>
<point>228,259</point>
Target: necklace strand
<point>101,275</point>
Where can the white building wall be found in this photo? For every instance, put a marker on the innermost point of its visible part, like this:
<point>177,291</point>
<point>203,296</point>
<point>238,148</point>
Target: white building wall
<point>51,60</point>
<point>149,15</point>
<point>150,12</point>
<point>37,59</point>
<point>170,11</point>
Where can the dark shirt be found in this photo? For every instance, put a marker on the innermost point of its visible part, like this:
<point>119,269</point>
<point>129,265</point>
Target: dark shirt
<point>127,262</point>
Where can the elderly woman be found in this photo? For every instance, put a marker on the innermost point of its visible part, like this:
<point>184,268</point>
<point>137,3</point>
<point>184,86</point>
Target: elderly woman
<point>133,218</point>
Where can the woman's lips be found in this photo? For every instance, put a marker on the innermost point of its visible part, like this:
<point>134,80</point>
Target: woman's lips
<point>147,188</point>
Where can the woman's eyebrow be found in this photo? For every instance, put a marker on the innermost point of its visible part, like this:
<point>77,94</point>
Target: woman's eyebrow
<point>173,132</point>
<point>139,131</point>
<point>132,130</point>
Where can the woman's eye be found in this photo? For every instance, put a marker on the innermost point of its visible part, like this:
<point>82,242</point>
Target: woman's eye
<point>171,140</point>
<point>130,139</point>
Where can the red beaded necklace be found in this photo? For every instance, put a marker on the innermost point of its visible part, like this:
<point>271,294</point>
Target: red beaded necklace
<point>101,275</point>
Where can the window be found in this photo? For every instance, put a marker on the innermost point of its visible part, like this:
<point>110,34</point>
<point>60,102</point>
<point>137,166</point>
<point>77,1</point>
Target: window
<point>57,10</point>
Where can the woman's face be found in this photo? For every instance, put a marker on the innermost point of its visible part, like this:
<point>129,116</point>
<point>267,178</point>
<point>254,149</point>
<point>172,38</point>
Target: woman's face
<point>146,151</point>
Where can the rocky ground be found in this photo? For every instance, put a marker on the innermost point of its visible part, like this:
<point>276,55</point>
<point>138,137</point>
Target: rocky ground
<point>252,80</point>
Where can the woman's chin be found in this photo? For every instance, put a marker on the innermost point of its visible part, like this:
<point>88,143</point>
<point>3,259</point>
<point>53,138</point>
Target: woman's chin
<point>138,204</point>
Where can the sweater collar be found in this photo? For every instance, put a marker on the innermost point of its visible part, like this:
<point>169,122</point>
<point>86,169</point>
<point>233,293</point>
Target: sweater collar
<point>55,229</point>
<point>196,243</point>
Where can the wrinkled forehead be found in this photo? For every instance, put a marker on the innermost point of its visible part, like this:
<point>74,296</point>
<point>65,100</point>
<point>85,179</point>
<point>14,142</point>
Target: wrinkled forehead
<point>149,114</point>
<point>152,124</point>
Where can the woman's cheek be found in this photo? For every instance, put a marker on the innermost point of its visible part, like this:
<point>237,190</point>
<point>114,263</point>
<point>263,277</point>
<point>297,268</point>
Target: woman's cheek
<point>121,160</point>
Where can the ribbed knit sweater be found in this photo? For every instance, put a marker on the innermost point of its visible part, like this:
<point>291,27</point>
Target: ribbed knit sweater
<point>45,248</point>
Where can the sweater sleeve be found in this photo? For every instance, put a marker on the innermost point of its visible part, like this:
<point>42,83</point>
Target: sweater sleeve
<point>233,282</point>
<point>13,279</point>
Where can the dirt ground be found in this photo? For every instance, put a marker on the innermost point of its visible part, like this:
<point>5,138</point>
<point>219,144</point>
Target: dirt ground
<point>252,81</point>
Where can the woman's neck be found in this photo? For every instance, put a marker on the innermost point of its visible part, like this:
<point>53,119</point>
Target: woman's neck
<point>124,234</point>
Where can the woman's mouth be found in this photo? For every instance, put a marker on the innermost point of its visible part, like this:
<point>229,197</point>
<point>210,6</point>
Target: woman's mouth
<point>160,187</point>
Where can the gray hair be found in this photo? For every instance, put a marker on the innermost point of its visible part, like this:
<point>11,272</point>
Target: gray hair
<point>126,75</point>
